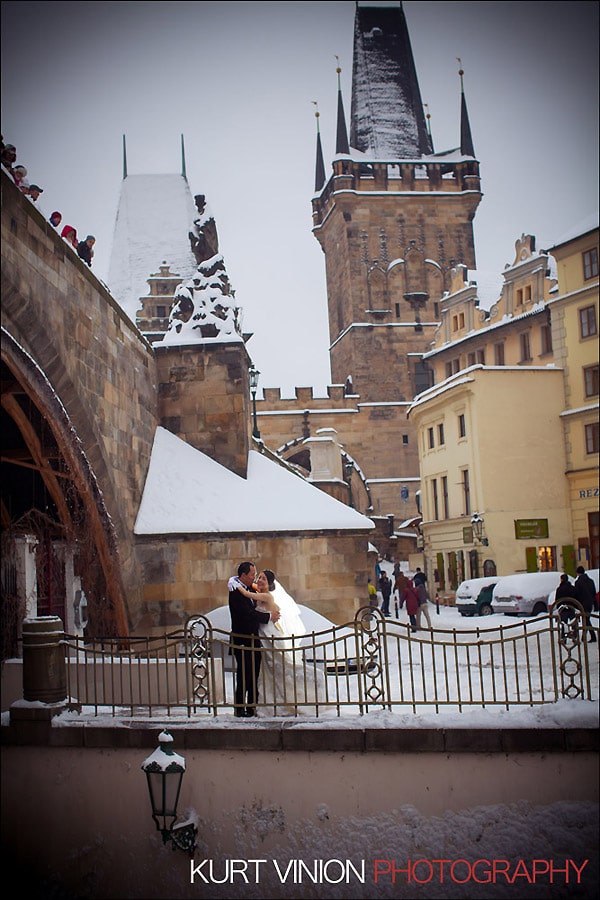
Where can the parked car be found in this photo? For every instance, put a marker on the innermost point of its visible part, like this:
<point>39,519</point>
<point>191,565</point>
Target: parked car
<point>594,575</point>
<point>474,596</point>
<point>525,594</point>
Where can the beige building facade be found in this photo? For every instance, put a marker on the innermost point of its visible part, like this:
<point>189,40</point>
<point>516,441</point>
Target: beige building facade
<point>509,432</point>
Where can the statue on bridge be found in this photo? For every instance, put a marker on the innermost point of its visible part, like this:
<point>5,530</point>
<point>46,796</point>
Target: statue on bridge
<point>204,306</point>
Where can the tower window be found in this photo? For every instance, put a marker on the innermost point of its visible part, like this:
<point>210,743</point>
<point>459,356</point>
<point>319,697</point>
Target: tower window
<point>405,439</point>
<point>462,426</point>
<point>430,439</point>
<point>499,354</point>
<point>441,433</point>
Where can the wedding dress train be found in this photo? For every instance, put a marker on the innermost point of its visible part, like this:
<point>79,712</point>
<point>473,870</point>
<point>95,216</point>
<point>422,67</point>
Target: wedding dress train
<point>289,683</point>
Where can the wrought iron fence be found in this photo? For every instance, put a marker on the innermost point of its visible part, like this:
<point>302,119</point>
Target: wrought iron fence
<point>372,663</point>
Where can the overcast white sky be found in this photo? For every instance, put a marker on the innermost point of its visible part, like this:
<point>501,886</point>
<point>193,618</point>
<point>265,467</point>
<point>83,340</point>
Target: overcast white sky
<point>238,80</point>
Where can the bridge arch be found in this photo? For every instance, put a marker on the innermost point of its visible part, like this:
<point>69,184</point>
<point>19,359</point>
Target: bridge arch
<point>45,442</point>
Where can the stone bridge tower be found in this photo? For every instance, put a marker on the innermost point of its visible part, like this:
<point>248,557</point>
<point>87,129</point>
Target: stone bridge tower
<point>393,218</point>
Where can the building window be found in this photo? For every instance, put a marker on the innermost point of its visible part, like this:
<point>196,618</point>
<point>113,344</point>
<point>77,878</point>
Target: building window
<point>471,359</point>
<point>499,354</point>
<point>441,439</point>
<point>445,496</point>
<point>525,346</point>
<point>587,321</point>
<point>466,492</point>
<point>462,427</point>
<point>405,439</point>
<point>590,263</point>
<point>520,297</point>
<point>430,441</point>
<point>546,559</point>
<point>397,310</point>
<point>591,437</point>
<point>434,489</point>
<point>546,332</point>
<point>527,293</point>
<point>590,375</point>
<point>161,312</point>
<point>452,367</point>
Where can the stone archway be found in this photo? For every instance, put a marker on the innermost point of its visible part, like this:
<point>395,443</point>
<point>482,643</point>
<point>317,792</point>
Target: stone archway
<point>62,491</point>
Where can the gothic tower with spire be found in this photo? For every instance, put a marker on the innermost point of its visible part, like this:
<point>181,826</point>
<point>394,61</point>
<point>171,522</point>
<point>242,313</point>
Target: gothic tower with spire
<point>393,219</point>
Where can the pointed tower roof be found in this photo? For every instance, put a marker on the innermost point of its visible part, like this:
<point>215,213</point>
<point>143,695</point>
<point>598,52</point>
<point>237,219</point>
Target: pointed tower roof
<point>387,120</point>
<point>341,141</point>
<point>154,218</point>
<point>320,165</point>
<point>466,140</point>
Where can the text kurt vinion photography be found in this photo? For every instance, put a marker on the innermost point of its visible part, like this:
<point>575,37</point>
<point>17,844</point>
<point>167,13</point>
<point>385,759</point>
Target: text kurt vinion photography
<point>390,871</point>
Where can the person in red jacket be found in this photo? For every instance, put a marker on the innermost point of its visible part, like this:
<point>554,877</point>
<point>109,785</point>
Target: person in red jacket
<point>410,599</point>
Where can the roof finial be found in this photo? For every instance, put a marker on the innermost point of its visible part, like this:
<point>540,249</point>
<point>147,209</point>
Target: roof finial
<point>183,172</point>
<point>428,120</point>
<point>341,144</point>
<point>466,139</point>
<point>320,165</point>
<point>124,159</point>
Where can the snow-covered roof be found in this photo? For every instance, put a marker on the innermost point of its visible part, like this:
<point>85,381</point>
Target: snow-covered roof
<point>155,215</point>
<point>188,492</point>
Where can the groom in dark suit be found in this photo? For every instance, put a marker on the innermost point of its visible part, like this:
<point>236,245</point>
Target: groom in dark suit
<point>245,622</point>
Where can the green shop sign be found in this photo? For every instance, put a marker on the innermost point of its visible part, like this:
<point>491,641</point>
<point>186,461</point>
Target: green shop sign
<point>531,528</point>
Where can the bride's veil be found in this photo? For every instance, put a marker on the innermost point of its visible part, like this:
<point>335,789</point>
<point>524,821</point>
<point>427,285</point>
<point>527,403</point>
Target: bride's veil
<point>290,611</point>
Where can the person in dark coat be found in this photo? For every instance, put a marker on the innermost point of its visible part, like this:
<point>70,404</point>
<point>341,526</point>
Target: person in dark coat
<point>85,249</point>
<point>245,622</point>
<point>565,590</point>
<point>385,586</point>
<point>585,592</point>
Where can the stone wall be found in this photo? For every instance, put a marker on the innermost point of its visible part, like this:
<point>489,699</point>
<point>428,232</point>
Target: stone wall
<point>183,575</point>
<point>97,364</point>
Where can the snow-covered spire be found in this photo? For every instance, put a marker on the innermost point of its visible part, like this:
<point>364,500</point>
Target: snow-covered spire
<point>341,142</point>
<point>387,119</point>
<point>320,165</point>
<point>466,141</point>
<point>428,120</point>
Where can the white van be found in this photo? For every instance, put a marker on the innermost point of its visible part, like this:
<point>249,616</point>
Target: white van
<point>525,594</point>
<point>472,599</point>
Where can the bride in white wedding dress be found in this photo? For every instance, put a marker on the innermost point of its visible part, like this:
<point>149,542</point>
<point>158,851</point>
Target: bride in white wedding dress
<point>289,684</point>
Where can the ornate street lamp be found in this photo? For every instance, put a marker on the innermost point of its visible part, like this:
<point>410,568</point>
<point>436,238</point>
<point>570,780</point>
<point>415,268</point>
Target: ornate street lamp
<point>254,375</point>
<point>477,524</point>
<point>164,770</point>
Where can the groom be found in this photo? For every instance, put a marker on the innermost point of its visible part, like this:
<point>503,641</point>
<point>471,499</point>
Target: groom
<point>245,622</point>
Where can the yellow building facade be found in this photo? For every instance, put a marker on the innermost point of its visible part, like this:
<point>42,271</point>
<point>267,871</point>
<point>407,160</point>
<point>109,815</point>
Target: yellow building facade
<point>575,338</point>
<point>508,434</point>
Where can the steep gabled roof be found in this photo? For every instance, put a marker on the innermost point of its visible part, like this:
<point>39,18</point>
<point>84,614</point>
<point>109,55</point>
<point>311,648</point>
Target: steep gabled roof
<point>387,118</point>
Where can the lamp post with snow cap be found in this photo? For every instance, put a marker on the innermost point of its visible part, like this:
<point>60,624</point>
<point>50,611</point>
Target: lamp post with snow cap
<point>477,523</point>
<point>254,374</point>
<point>164,770</point>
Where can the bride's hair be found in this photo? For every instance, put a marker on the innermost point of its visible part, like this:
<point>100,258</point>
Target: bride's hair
<point>270,578</point>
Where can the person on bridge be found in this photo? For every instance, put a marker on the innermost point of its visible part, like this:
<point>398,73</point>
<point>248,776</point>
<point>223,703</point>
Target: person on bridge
<point>85,249</point>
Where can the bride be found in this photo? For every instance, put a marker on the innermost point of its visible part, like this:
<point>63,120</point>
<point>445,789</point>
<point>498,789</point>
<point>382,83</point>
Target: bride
<point>289,683</point>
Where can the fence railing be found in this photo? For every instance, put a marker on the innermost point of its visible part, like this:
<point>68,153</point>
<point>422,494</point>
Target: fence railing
<point>372,663</point>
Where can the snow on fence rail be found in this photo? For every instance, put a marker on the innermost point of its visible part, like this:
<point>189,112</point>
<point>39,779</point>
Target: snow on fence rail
<point>372,663</point>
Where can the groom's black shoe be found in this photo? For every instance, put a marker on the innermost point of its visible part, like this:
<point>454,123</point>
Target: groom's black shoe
<point>241,713</point>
